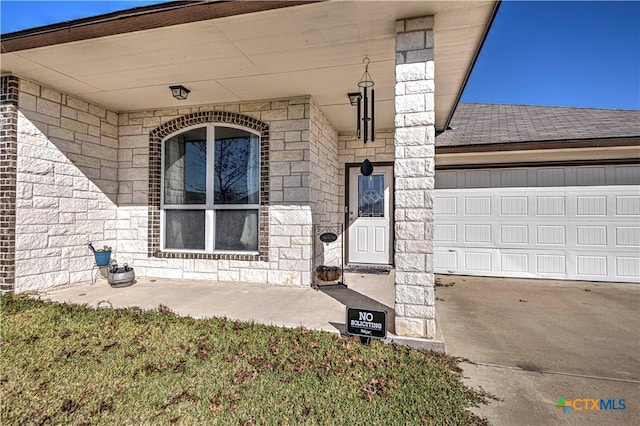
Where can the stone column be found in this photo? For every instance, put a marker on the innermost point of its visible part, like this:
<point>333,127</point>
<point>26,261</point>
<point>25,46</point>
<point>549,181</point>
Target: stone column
<point>8,163</point>
<point>414,173</point>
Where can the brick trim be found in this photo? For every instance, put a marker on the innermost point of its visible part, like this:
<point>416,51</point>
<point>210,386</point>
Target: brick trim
<point>155,184</point>
<point>9,90</point>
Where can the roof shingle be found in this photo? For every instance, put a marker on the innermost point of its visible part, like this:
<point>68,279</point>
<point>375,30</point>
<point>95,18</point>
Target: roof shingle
<point>480,124</point>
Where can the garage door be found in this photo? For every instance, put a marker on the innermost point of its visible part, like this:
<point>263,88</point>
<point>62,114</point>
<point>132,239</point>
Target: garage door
<point>576,223</point>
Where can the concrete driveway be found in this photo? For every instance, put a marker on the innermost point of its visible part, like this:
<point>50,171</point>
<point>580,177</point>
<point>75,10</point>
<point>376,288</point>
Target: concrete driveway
<point>533,341</point>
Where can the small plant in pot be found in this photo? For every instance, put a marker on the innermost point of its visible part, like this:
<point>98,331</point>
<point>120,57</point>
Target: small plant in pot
<point>102,256</point>
<point>328,273</point>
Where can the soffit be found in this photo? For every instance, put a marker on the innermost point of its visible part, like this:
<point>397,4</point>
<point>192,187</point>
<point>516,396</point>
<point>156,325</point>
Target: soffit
<point>314,49</point>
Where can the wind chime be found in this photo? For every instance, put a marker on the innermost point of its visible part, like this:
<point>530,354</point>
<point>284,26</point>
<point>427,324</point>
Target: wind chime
<point>364,99</point>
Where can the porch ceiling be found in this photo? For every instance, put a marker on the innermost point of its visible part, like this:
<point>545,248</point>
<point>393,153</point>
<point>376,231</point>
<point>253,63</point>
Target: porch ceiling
<point>314,49</point>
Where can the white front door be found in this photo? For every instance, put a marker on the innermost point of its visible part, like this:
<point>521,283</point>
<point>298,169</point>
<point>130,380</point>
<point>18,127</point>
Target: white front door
<point>370,208</point>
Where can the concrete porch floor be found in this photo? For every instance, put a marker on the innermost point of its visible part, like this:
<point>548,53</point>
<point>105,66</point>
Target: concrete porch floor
<point>322,309</point>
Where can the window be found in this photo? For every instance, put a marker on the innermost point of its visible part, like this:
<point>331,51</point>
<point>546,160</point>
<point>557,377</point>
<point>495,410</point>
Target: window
<point>210,190</point>
<point>191,209</point>
<point>371,196</point>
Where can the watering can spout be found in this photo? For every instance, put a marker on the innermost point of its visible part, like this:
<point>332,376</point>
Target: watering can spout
<point>91,247</point>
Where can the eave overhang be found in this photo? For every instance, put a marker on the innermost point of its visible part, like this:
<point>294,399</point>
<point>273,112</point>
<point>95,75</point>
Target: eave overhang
<point>243,51</point>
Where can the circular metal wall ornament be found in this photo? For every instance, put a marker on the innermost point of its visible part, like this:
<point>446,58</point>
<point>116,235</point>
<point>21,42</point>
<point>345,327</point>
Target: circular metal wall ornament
<point>328,237</point>
<point>366,168</point>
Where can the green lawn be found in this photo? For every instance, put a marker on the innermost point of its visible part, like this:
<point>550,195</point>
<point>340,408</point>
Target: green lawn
<point>68,364</point>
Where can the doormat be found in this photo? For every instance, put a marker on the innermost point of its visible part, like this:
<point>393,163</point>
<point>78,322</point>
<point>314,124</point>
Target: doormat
<point>376,270</point>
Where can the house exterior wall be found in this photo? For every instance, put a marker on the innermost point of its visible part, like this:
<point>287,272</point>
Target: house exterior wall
<point>66,186</point>
<point>299,136</point>
<point>83,176</point>
<point>324,168</point>
<point>324,186</point>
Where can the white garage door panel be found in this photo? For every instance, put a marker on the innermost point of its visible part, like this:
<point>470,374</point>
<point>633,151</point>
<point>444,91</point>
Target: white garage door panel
<point>595,266</point>
<point>586,231</point>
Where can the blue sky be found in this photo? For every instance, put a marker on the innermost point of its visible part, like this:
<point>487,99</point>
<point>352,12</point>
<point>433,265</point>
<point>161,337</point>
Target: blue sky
<point>566,53</point>
<point>582,54</point>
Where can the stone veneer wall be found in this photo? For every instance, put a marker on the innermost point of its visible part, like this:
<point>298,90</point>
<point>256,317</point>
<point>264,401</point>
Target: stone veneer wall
<point>289,209</point>
<point>66,186</point>
<point>84,177</point>
<point>414,170</point>
<point>324,186</point>
<point>8,163</point>
<point>324,168</point>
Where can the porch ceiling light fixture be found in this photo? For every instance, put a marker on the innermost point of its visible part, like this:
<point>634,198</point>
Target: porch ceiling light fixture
<point>364,99</point>
<point>179,92</point>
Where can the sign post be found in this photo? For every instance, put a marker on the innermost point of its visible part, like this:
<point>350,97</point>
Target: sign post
<point>366,323</point>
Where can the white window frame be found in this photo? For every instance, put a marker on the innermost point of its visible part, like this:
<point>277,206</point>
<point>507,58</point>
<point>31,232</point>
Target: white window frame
<point>209,207</point>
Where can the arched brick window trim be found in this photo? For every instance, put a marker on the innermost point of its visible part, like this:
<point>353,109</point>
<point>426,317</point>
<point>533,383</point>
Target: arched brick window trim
<point>155,185</point>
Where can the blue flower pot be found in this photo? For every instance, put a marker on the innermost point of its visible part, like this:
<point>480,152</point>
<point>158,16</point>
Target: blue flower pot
<point>102,257</point>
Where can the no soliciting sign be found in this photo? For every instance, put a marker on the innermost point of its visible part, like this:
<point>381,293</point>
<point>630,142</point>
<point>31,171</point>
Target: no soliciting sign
<point>366,322</point>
